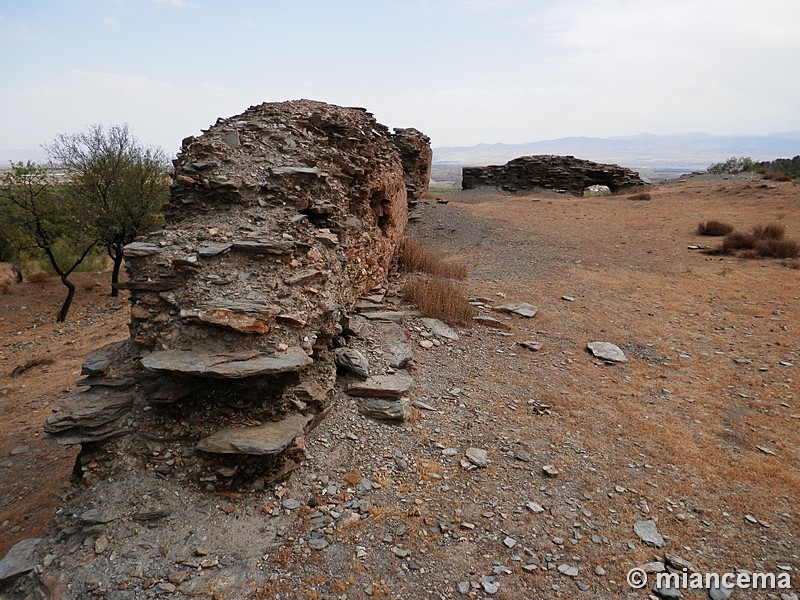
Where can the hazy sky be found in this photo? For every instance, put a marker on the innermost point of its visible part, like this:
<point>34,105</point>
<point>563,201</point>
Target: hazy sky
<point>462,71</point>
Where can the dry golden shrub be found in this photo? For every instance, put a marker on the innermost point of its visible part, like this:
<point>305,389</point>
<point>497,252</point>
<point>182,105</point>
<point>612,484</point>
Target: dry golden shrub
<point>714,228</point>
<point>439,298</point>
<point>416,257</point>
<point>771,231</point>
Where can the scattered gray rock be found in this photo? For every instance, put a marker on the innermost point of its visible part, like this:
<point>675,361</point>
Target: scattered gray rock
<point>477,456</point>
<point>352,360</point>
<point>94,516</point>
<point>440,329</point>
<point>646,530</point>
<point>385,409</point>
<point>490,322</point>
<point>652,567</point>
<point>319,543</point>
<point>679,563</point>
<point>568,570</point>
<point>489,584</point>
<point>532,345</point>
<point>720,593</point>
<point>522,309</point>
<point>463,587</point>
<point>667,593</point>
<point>551,471</point>
<point>20,559</point>
<point>607,351</point>
<point>400,552</point>
<point>534,507</point>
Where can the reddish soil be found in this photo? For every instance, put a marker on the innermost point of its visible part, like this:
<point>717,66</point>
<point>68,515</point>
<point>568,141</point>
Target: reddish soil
<point>33,479</point>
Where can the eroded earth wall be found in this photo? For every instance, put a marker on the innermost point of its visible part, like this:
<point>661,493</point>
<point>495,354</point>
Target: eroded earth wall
<point>550,172</point>
<point>278,219</point>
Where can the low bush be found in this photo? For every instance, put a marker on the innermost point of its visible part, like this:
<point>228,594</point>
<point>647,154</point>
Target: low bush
<point>777,248</point>
<point>714,228</point>
<point>439,298</point>
<point>771,231</point>
<point>774,176</point>
<point>640,196</point>
<point>415,257</point>
<point>38,276</point>
<point>737,241</point>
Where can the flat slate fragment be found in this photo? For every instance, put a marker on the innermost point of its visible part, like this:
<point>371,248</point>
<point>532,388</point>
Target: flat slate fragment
<point>140,249</point>
<point>440,329</point>
<point>522,309</point>
<point>390,387</point>
<point>234,365</point>
<point>267,439</point>
<point>20,559</point>
<point>88,409</point>
<point>607,351</point>
<point>646,530</point>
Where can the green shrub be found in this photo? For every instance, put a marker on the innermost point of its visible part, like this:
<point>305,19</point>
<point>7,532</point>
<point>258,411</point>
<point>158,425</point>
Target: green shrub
<point>733,165</point>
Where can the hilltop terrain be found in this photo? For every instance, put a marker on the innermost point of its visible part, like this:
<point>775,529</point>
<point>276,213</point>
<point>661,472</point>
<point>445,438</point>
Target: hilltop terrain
<point>696,432</point>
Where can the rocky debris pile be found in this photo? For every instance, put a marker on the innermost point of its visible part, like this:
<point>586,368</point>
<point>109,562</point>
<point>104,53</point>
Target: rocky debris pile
<point>278,220</point>
<point>550,172</point>
<point>416,154</point>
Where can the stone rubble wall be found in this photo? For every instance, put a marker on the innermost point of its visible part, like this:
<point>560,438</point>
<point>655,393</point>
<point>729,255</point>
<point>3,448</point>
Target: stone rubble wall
<point>417,156</point>
<point>278,220</point>
<point>550,172</point>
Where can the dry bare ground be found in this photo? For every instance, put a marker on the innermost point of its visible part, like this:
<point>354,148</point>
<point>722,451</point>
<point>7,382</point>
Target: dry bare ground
<point>698,431</point>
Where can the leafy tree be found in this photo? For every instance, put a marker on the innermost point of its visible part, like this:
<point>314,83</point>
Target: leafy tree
<point>733,165</point>
<point>36,214</point>
<point>125,183</point>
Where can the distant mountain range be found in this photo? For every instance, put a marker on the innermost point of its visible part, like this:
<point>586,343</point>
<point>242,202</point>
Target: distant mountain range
<point>654,156</point>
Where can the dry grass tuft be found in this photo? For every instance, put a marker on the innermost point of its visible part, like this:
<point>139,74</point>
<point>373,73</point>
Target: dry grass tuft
<point>714,228</point>
<point>777,248</point>
<point>771,231</point>
<point>440,299</point>
<point>640,196</point>
<point>793,263</point>
<point>38,277</point>
<point>415,257</point>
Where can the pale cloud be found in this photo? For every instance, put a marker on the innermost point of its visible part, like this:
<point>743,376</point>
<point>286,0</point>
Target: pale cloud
<point>111,23</point>
<point>13,31</point>
<point>159,113</point>
<point>178,3</point>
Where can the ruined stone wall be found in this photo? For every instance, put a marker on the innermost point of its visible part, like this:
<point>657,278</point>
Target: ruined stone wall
<point>557,173</point>
<point>416,154</point>
<point>278,219</point>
